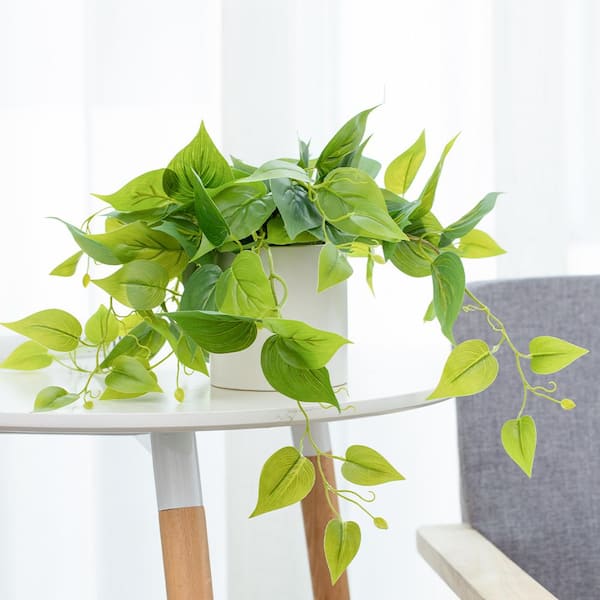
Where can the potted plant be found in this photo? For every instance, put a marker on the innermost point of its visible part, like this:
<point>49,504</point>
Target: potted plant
<point>195,251</point>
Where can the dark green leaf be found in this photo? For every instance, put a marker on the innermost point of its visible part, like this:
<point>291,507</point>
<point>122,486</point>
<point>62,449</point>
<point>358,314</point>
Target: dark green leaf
<point>199,291</point>
<point>343,144</point>
<point>305,385</point>
<point>210,219</point>
<point>467,222</point>
<point>298,212</point>
<point>216,332</point>
<point>448,277</point>
<point>142,341</point>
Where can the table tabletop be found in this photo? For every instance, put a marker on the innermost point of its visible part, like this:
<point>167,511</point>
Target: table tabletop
<point>376,386</point>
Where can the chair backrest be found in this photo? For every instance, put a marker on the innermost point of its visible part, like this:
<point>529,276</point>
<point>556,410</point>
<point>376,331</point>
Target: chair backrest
<point>549,524</point>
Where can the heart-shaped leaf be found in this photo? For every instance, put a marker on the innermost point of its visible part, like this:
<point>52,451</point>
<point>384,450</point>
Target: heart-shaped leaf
<point>342,541</point>
<point>365,466</point>
<point>53,328</point>
<point>29,356</point>
<point>130,376</point>
<point>53,397</point>
<point>519,439</point>
<point>200,288</point>
<point>140,284</point>
<point>333,267</point>
<point>286,478</point>
<point>551,354</point>
<point>102,327</point>
<point>298,212</point>
<point>470,369</point>
<point>448,277</point>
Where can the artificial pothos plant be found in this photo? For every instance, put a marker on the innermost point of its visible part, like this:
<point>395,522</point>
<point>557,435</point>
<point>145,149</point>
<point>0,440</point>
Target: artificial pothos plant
<point>168,298</point>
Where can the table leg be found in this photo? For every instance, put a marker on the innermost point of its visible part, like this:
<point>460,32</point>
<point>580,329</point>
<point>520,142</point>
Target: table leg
<point>317,513</point>
<point>181,516</point>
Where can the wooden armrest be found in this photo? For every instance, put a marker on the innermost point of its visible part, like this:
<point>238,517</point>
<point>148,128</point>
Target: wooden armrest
<point>473,567</point>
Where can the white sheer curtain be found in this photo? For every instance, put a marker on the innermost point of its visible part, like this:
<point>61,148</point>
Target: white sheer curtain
<point>95,92</point>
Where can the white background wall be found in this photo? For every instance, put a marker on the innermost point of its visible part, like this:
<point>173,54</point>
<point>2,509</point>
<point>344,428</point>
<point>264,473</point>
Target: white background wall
<point>95,92</point>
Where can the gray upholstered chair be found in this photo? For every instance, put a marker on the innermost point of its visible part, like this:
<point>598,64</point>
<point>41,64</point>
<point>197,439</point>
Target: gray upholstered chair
<point>548,525</point>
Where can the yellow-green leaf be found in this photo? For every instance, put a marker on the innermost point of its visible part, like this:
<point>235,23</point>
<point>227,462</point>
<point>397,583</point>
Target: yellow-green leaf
<point>67,267</point>
<point>365,466</point>
<point>29,356</point>
<point>333,267</point>
<point>519,439</point>
<point>403,169</point>
<point>551,354</point>
<point>478,244</point>
<point>53,328</point>
<point>130,376</point>
<point>102,327</point>
<point>140,284</point>
<point>470,369</point>
<point>342,541</point>
<point>286,478</point>
<point>53,397</point>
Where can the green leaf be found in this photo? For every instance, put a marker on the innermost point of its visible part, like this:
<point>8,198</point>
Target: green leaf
<point>352,201</point>
<point>467,222</point>
<point>29,356</point>
<point>342,541</point>
<point>139,284</point>
<point>286,478</point>
<point>200,287</point>
<point>277,169</point>
<point>428,194</point>
<point>245,207</point>
<point>199,158</point>
<point>365,466</point>
<point>413,258</point>
<point>137,241</point>
<point>305,385</point>
<point>53,397</point>
<point>403,169</point>
<point>142,341</point>
<point>448,278</point>
<point>67,267</point>
<point>339,150</point>
<point>216,332</point>
<point>369,166</point>
<point>210,219</point>
<point>53,328</point>
<point>190,354</point>
<point>244,288</point>
<point>519,439</point>
<point>478,244</point>
<point>298,212</point>
<point>110,394</point>
<point>470,369</point>
<point>94,249</point>
<point>304,148</point>
<point>303,346</point>
<point>430,312</point>
<point>551,354</point>
<point>142,193</point>
<point>128,375</point>
<point>380,523</point>
<point>102,327</point>
<point>333,267</point>
<point>278,236</point>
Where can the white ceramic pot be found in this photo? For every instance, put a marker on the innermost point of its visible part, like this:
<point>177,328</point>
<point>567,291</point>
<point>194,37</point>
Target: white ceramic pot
<point>328,310</point>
